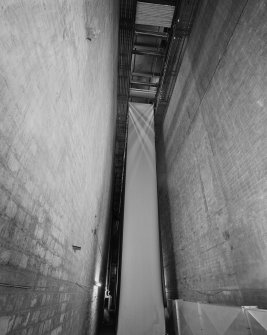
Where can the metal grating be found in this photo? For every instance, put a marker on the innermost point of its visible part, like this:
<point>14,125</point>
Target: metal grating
<point>181,28</point>
<point>154,14</point>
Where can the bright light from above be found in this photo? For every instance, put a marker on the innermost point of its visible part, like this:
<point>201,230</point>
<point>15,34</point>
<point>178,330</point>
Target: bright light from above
<point>98,284</point>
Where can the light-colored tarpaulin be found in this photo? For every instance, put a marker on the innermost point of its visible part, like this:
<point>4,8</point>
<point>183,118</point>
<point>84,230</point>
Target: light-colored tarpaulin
<point>141,310</point>
<point>195,318</point>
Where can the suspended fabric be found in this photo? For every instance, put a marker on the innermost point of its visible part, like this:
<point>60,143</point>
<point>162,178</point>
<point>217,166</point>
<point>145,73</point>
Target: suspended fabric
<point>196,319</point>
<point>141,310</point>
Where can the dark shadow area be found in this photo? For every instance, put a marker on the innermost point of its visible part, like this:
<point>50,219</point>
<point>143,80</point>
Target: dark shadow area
<point>108,326</point>
<point>170,317</point>
<point>107,330</point>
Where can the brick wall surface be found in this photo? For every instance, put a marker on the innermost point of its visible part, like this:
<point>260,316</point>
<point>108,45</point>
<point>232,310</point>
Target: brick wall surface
<point>212,160</point>
<point>57,121</point>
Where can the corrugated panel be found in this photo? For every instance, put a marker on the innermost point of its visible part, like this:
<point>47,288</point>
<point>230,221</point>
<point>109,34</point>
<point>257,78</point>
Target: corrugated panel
<point>154,14</point>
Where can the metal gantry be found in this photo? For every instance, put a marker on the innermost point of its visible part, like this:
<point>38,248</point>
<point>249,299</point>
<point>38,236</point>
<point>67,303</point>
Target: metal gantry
<point>152,39</point>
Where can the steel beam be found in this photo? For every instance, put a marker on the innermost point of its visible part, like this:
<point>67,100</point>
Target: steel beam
<point>152,33</point>
<point>160,2</point>
<point>135,92</point>
<point>144,84</point>
<point>147,47</point>
<point>148,53</point>
<point>145,74</point>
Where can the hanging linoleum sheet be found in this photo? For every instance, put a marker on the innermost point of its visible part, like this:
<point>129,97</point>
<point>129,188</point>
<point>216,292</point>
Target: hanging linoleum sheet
<point>141,310</point>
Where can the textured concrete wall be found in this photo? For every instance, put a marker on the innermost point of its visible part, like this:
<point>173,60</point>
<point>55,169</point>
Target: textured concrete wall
<point>212,160</point>
<point>57,121</point>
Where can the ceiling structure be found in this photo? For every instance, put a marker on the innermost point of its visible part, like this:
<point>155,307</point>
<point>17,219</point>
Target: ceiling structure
<point>152,39</point>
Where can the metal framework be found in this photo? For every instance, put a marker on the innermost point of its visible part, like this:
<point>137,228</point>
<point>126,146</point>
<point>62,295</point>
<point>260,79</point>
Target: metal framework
<point>149,60</point>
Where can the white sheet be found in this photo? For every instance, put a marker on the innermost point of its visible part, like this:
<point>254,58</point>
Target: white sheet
<point>141,310</point>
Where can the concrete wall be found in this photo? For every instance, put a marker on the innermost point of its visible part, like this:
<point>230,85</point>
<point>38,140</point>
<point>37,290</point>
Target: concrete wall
<point>212,160</point>
<point>57,122</point>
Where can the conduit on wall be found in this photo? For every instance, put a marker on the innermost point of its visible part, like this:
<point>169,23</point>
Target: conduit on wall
<point>141,310</point>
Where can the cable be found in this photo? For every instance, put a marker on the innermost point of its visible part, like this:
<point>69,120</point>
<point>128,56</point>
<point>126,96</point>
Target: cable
<point>27,287</point>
